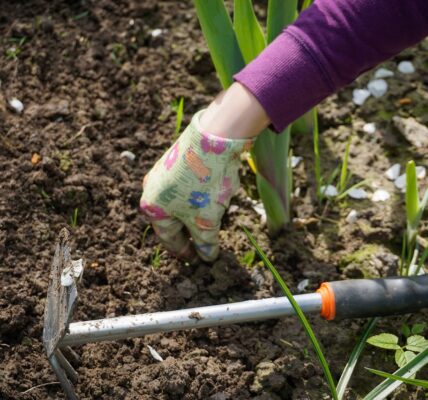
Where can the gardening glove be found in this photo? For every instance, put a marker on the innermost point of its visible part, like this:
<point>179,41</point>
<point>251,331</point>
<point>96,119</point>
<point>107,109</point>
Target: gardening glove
<point>190,187</point>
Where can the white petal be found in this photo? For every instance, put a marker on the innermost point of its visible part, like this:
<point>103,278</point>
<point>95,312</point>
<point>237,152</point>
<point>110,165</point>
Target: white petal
<point>383,73</point>
<point>154,353</point>
<point>329,191</point>
<point>421,172</point>
<point>352,217</point>
<point>377,87</point>
<point>16,105</point>
<point>358,193</point>
<point>359,96</point>
<point>380,195</point>
<point>302,285</point>
<point>406,67</point>
<point>128,155</point>
<point>400,182</point>
<point>370,127</point>
<point>393,172</point>
<point>295,160</point>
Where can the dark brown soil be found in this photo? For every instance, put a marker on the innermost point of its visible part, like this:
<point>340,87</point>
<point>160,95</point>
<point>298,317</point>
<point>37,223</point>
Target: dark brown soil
<point>94,83</point>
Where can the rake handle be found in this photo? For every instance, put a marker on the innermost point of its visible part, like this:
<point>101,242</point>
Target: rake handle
<point>363,298</point>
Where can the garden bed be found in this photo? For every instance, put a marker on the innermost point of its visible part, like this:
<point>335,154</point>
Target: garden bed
<point>95,80</point>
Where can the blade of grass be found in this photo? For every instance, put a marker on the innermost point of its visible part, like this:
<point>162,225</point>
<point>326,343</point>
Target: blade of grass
<point>280,14</point>
<point>248,31</point>
<point>179,117</point>
<point>301,316</point>
<point>422,259</point>
<point>412,197</point>
<point>318,177</point>
<point>344,170</point>
<point>221,39</point>
<point>414,382</point>
<point>357,185</point>
<point>388,386</point>
<point>353,359</point>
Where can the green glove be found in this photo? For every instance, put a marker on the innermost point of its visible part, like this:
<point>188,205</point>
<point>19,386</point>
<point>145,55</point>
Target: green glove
<point>191,187</point>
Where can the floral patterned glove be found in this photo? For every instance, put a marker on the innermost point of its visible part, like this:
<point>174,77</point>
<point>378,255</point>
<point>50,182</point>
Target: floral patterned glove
<point>191,187</point>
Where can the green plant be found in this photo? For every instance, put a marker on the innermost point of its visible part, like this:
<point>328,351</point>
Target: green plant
<point>409,264</point>
<point>156,258</point>
<point>13,52</point>
<point>231,47</point>
<point>73,218</point>
<point>143,238</point>
<point>403,354</point>
<point>117,53</point>
<point>301,316</point>
<point>178,107</point>
<point>248,258</point>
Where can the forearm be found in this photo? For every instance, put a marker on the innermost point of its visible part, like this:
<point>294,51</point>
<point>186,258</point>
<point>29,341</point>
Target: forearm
<point>330,44</point>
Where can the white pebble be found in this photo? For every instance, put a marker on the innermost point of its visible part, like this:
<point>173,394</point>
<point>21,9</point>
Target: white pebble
<point>156,32</point>
<point>233,208</point>
<point>377,87</point>
<point>383,73</point>
<point>295,160</point>
<point>358,193</point>
<point>16,105</point>
<point>359,96</point>
<point>329,191</point>
<point>421,172</point>
<point>128,155</point>
<point>154,353</point>
<point>400,182</point>
<point>380,195</point>
<point>302,285</point>
<point>406,67</point>
<point>370,127</point>
<point>352,217</point>
<point>260,209</point>
<point>393,172</point>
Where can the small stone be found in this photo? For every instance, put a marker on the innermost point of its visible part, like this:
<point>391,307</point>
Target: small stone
<point>16,105</point>
<point>377,87</point>
<point>129,155</point>
<point>359,96</point>
<point>260,209</point>
<point>400,182</point>
<point>414,132</point>
<point>329,191</point>
<point>383,73</point>
<point>380,195</point>
<point>35,159</point>
<point>352,217</point>
<point>406,67</point>
<point>370,127</point>
<point>393,172</point>
<point>156,32</point>
<point>302,285</point>
<point>421,172</point>
<point>233,209</point>
<point>358,193</point>
<point>295,161</point>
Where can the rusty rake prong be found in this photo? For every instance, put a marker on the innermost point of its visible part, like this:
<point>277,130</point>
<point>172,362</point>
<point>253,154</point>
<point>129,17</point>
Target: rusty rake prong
<point>62,377</point>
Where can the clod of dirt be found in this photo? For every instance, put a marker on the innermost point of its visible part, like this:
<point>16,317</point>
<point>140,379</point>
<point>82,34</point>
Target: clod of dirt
<point>371,261</point>
<point>55,108</point>
<point>412,130</point>
<point>267,377</point>
<point>187,289</point>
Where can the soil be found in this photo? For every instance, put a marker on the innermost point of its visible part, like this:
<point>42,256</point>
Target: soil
<point>94,82</point>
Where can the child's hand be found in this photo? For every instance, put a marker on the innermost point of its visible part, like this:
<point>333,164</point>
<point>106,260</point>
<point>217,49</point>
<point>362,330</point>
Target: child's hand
<point>191,187</point>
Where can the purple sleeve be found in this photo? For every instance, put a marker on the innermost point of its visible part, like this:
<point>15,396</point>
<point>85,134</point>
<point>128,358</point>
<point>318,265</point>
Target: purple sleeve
<point>330,44</point>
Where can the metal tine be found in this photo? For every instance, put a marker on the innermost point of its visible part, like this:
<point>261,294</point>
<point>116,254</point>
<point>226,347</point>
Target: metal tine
<point>70,354</point>
<point>70,371</point>
<point>62,377</point>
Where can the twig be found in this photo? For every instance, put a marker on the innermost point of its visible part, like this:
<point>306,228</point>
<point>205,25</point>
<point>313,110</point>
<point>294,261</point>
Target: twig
<point>39,386</point>
<point>74,137</point>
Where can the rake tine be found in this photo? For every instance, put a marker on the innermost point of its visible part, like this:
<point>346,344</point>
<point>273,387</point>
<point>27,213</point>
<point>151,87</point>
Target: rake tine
<point>62,377</point>
<point>69,370</point>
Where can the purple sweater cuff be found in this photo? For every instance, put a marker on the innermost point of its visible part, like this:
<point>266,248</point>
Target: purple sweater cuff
<point>282,83</point>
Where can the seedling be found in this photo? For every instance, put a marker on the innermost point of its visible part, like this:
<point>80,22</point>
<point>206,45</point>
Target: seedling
<point>14,51</point>
<point>73,218</point>
<point>118,52</point>
<point>178,106</point>
<point>410,265</point>
<point>156,258</point>
<point>248,258</point>
<point>143,238</point>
